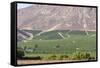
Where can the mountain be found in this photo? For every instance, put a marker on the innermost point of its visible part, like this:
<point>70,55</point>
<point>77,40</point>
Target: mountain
<point>45,17</point>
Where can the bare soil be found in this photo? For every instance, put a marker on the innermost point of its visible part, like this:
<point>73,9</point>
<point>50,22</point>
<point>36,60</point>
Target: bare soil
<point>21,62</point>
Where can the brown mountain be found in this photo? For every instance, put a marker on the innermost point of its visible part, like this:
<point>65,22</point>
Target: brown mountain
<point>45,17</point>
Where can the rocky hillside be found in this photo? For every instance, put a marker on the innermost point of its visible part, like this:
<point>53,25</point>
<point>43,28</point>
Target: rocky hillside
<point>44,17</point>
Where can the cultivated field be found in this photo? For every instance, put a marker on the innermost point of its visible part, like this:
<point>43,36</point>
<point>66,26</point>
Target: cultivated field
<point>60,45</point>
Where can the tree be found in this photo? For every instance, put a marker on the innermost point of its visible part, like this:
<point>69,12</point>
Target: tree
<point>20,53</point>
<point>36,46</point>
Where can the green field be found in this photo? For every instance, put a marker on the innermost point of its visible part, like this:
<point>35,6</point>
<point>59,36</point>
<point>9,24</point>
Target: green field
<point>52,43</point>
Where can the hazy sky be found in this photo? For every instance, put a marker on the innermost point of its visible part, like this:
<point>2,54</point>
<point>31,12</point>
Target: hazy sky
<point>22,5</point>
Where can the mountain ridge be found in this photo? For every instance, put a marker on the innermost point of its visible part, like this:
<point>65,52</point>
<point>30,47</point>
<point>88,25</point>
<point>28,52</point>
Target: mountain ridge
<point>44,17</point>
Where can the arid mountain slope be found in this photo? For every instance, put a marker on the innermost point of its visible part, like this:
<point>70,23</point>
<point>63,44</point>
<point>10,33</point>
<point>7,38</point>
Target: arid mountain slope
<point>44,17</point>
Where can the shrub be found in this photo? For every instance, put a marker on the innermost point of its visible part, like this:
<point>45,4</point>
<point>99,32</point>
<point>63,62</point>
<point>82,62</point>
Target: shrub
<point>49,57</point>
<point>52,57</point>
<point>91,58</point>
<point>35,46</point>
<point>57,46</point>
<point>87,55</point>
<point>81,55</point>
<point>55,57</point>
<point>63,57</point>
<point>20,53</point>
